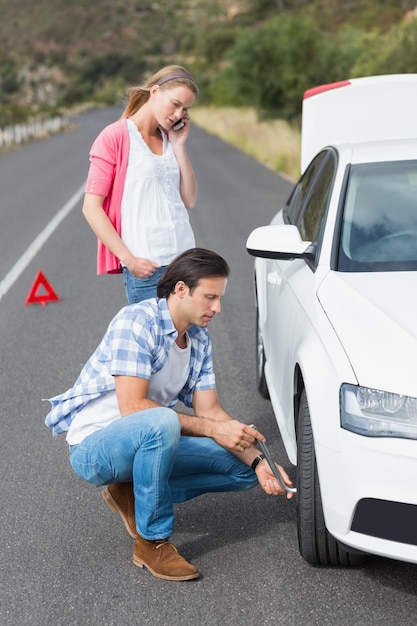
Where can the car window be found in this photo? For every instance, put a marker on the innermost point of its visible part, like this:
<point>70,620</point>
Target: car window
<point>311,217</point>
<point>379,226</point>
<point>302,190</point>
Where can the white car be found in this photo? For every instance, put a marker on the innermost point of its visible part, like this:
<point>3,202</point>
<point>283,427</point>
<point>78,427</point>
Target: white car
<point>336,298</point>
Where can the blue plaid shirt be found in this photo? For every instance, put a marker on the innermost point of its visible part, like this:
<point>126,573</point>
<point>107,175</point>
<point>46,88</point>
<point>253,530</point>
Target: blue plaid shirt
<point>136,343</point>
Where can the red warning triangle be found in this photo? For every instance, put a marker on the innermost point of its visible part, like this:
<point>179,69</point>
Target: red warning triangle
<point>47,293</point>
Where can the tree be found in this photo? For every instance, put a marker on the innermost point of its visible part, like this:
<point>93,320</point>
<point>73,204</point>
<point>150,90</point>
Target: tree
<point>392,53</point>
<point>270,67</point>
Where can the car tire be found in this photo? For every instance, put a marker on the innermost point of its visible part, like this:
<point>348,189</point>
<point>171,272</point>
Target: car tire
<point>260,361</point>
<point>316,545</point>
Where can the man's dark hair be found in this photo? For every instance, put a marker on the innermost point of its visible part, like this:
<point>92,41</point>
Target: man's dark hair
<point>190,267</point>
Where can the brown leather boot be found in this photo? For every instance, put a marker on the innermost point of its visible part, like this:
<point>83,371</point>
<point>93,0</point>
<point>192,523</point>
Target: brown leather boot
<point>161,558</point>
<point>119,497</point>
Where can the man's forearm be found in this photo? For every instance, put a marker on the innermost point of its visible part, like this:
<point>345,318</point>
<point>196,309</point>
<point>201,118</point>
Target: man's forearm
<point>216,428</point>
<point>193,426</point>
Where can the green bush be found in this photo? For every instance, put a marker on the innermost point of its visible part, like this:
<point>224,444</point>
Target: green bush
<point>101,76</point>
<point>11,114</point>
<point>9,80</point>
<point>99,68</point>
<point>214,43</point>
<point>392,53</point>
<point>270,67</point>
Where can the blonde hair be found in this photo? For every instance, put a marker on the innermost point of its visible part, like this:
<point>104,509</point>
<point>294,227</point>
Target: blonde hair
<point>166,78</point>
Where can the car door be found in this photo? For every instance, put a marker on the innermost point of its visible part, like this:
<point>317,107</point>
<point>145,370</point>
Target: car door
<point>290,286</point>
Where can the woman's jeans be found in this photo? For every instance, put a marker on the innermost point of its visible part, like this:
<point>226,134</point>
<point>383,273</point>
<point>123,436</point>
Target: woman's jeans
<point>138,289</point>
<point>148,449</point>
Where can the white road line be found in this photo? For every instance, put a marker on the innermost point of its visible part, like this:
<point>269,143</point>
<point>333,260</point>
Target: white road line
<point>9,280</point>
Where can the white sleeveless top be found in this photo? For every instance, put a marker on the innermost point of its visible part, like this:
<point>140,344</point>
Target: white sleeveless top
<point>155,222</point>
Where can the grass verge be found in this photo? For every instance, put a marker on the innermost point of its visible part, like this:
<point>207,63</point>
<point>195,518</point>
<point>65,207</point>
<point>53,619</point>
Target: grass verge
<point>275,143</point>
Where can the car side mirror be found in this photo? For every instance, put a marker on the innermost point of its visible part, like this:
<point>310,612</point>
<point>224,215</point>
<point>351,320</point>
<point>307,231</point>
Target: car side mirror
<point>279,241</point>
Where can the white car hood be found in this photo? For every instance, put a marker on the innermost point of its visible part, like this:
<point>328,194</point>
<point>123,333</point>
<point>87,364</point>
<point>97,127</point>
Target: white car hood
<point>375,317</point>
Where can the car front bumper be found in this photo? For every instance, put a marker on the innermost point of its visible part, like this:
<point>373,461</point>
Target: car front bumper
<point>369,495</point>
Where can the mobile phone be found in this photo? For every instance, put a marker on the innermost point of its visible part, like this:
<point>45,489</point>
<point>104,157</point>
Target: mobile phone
<point>178,125</point>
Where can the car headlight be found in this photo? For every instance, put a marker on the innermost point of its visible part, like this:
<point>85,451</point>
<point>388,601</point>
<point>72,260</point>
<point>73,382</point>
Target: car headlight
<point>376,413</point>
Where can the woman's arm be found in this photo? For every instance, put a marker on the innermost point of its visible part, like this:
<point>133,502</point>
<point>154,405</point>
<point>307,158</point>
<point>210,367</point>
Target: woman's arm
<point>102,227</point>
<point>188,183</point>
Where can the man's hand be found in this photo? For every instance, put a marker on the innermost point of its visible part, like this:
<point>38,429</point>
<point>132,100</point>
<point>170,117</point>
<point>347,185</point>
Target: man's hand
<point>268,481</point>
<point>234,435</point>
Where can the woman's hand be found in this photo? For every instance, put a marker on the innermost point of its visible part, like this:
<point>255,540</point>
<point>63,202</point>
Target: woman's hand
<point>179,137</point>
<point>140,267</point>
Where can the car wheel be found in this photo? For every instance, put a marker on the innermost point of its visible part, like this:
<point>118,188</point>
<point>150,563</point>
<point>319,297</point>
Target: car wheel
<point>260,361</point>
<point>316,544</point>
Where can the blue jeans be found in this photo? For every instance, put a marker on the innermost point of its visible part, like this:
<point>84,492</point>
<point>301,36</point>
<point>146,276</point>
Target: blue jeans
<point>148,449</point>
<point>138,289</point>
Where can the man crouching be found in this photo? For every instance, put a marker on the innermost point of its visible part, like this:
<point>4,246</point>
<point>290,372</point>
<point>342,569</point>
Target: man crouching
<point>124,433</point>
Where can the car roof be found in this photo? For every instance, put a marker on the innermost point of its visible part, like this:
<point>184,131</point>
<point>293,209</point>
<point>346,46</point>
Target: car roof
<point>378,151</point>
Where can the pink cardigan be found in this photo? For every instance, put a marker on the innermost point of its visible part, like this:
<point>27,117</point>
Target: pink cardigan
<point>109,156</point>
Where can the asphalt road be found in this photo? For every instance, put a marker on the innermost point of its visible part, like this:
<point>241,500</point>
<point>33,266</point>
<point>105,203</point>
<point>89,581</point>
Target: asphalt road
<point>66,559</point>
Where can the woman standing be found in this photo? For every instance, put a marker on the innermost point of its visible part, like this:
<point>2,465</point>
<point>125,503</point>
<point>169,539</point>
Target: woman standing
<point>141,183</point>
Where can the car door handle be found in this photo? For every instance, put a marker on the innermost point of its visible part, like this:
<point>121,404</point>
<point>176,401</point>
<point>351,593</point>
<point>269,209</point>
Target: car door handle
<point>273,278</point>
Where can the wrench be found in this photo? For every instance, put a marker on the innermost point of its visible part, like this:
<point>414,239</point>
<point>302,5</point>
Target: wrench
<point>262,446</point>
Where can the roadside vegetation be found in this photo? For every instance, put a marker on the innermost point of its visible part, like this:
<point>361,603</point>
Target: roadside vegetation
<point>275,143</point>
<point>251,58</point>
